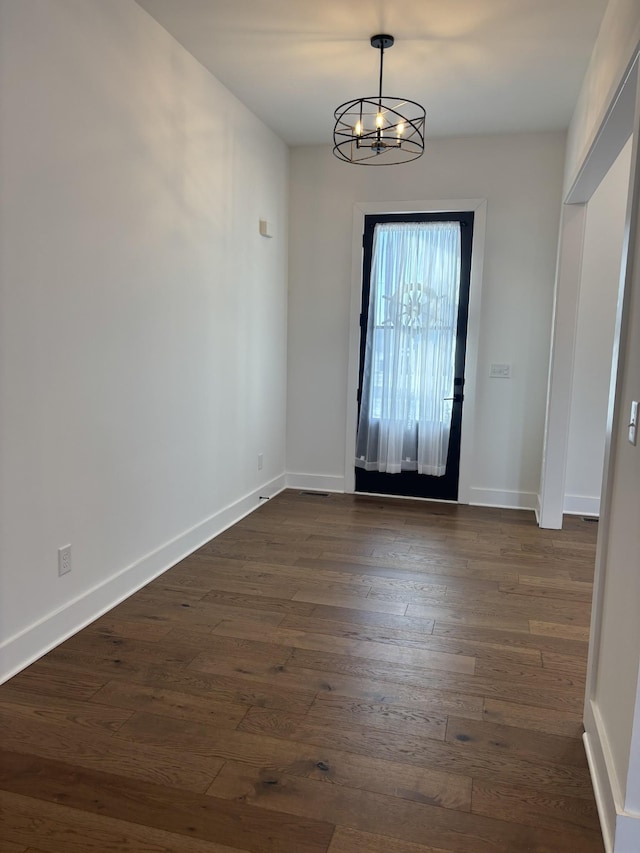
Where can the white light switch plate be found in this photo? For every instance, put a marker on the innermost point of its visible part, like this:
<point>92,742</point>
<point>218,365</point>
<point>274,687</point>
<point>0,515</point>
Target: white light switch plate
<point>500,371</point>
<point>633,423</point>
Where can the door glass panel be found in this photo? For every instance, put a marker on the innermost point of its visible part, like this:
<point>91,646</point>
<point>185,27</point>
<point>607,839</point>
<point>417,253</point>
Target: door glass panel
<point>409,360</point>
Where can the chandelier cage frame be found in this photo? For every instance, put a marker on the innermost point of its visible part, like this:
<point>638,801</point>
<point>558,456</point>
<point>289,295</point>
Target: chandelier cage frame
<point>379,130</point>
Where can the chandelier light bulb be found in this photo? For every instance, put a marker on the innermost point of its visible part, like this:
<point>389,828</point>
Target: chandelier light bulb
<point>379,121</point>
<point>400,128</point>
<point>358,128</point>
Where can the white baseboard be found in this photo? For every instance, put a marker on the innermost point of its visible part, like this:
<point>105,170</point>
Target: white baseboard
<point>620,830</point>
<point>502,499</point>
<point>603,778</point>
<point>581,505</point>
<point>315,482</point>
<point>601,790</point>
<point>478,497</point>
<point>24,648</point>
<point>538,509</point>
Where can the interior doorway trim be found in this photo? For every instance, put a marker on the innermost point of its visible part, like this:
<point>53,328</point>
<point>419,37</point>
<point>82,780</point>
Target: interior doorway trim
<point>614,130</point>
<point>360,210</point>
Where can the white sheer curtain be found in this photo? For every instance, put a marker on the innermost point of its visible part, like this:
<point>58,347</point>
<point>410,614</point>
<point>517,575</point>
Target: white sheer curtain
<point>405,418</point>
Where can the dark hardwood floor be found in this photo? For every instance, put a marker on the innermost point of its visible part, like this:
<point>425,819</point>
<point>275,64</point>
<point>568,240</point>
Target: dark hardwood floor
<point>342,674</point>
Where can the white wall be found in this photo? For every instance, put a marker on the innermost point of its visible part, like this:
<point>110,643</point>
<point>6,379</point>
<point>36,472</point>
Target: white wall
<point>143,318</point>
<point>597,307</point>
<point>521,177</point>
<point>613,52</point>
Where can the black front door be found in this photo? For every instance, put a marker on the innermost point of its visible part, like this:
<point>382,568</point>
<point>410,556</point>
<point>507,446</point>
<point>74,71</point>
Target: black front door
<point>411,483</point>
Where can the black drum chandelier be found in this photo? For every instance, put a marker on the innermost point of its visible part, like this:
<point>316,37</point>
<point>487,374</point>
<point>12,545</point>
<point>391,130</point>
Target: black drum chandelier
<point>379,131</point>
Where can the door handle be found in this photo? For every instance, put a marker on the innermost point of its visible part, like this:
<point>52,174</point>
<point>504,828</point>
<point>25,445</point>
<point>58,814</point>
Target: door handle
<point>457,398</point>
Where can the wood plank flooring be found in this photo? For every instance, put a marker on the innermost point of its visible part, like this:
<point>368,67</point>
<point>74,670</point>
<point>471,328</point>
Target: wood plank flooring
<point>333,674</point>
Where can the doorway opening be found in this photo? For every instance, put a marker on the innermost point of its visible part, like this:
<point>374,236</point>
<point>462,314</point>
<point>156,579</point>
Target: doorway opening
<point>413,329</point>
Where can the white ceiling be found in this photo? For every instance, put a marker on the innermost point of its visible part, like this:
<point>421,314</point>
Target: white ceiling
<point>477,66</point>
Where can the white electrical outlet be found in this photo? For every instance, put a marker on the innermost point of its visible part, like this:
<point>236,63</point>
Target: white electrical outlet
<point>64,560</point>
<point>260,461</point>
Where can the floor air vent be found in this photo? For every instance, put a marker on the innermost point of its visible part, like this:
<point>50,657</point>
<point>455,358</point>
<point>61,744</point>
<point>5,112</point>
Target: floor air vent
<point>314,494</point>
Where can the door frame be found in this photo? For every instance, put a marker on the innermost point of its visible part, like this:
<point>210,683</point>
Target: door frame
<point>360,210</point>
